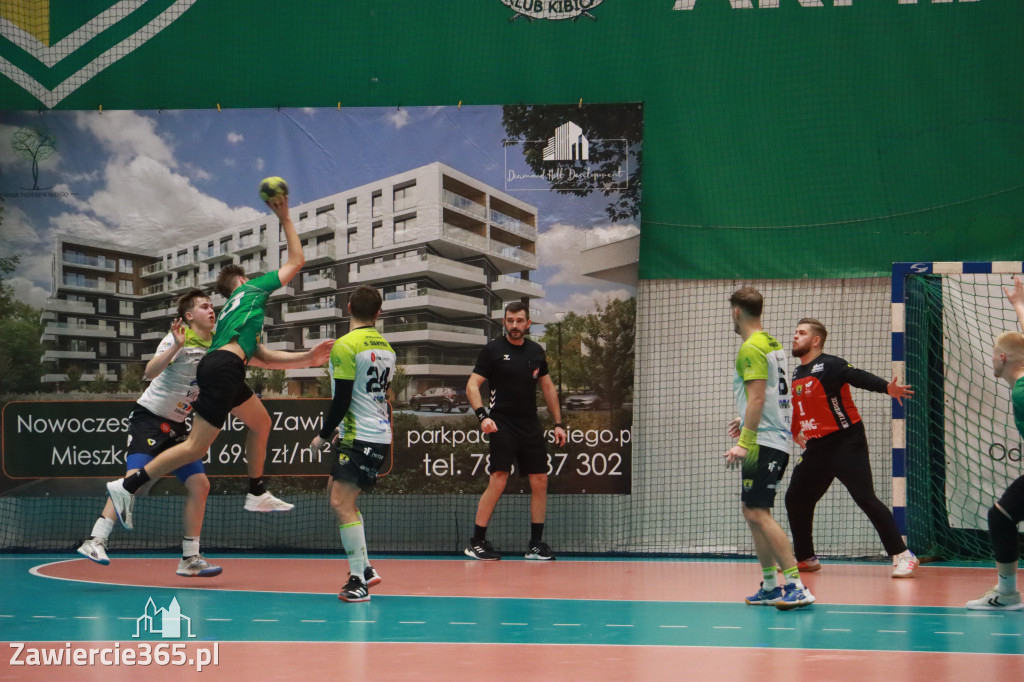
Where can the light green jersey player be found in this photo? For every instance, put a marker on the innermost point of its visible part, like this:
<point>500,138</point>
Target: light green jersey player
<point>366,359</point>
<point>762,357</point>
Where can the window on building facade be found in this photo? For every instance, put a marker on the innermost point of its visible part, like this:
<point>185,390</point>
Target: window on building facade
<point>125,264</point>
<point>127,329</point>
<point>125,286</point>
<point>350,212</point>
<point>350,241</point>
<point>379,238</point>
<point>405,197</point>
<point>101,305</point>
<point>404,228</point>
<point>377,205</point>
<point>127,308</point>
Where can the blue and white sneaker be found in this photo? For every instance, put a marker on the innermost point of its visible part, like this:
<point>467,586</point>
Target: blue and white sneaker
<point>124,502</point>
<point>197,567</point>
<point>765,597</point>
<point>794,597</point>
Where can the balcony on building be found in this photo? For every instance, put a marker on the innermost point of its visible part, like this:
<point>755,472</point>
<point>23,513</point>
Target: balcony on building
<point>154,290</point>
<point>157,269</point>
<point>464,204</point>
<point>254,268</point>
<point>280,339</point>
<point>317,309</point>
<point>54,329</point>
<point>509,288</point>
<point>458,241</point>
<point>60,305</point>
<point>182,261</point>
<point>53,355</point>
<point>435,366</point>
<point>284,292</point>
<point>251,244</point>
<point>434,332</point>
<point>90,262</point>
<point>317,254</point>
<point>313,335</point>
<point>317,225</point>
<point>446,272</point>
<point>438,301</point>
<point>154,335</point>
<point>180,284</point>
<point>91,285</point>
<point>218,252</point>
<point>318,280</point>
<point>509,223</point>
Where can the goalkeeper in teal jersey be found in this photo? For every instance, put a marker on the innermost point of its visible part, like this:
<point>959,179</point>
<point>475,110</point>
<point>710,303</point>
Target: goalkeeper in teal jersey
<point>1005,515</point>
<point>221,380</point>
<point>763,401</point>
<point>362,366</point>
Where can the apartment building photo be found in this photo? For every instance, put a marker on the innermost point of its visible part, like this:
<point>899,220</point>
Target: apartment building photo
<point>446,250</point>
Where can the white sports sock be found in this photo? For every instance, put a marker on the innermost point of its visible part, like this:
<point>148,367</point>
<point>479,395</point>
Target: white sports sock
<point>189,546</point>
<point>354,540</point>
<point>366,557</point>
<point>102,528</point>
<point>770,577</point>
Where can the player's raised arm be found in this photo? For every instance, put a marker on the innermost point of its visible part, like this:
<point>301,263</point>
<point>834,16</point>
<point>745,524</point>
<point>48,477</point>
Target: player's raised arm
<point>165,354</point>
<point>296,259</point>
<point>282,359</point>
<point>1016,299</point>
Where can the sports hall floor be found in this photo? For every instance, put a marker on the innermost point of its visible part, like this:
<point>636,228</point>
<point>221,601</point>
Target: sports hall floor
<point>447,618</point>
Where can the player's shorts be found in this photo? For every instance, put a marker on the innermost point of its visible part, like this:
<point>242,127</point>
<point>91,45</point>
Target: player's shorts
<point>221,379</point>
<point>1012,500</point>
<point>762,471</point>
<point>358,462</point>
<point>519,440</point>
<point>150,434</point>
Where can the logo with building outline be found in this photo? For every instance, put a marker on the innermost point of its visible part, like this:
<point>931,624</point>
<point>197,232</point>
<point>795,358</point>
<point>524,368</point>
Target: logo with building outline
<point>568,144</point>
<point>164,622</point>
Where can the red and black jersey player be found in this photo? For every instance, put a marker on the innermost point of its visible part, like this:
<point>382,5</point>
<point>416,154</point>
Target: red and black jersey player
<point>827,425</point>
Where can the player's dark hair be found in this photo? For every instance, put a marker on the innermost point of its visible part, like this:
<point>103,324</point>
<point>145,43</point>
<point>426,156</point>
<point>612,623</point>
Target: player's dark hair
<point>188,301</point>
<point>517,307</point>
<point>749,300</point>
<point>226,282</point>
<point>365,302</point>
<point>817,328</point>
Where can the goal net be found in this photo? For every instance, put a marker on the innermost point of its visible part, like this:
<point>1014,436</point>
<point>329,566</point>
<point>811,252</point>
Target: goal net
<point>962,447</point>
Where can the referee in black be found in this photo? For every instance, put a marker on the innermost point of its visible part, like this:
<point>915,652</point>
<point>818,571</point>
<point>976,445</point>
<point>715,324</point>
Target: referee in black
<point>513,366</point>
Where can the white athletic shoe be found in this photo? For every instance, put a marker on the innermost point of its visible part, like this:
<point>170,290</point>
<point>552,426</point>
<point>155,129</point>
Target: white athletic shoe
<point>95,550</point>
<point>197,567</point>
<point>266,503</point>
<point>994,600</point>
<point>124,502</point>
<point>903,565</point>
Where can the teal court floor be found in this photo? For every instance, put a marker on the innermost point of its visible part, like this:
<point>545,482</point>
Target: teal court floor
<point>277,617</point>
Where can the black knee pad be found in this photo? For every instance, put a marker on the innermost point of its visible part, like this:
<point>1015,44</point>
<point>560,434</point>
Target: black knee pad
<point>1003,532</point>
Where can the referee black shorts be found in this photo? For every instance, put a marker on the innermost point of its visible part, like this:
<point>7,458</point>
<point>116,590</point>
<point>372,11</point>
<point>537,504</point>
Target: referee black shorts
<point>221,379</point>
<point>519,440</point>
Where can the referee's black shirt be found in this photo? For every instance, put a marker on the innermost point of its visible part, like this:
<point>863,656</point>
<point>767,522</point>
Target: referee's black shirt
<point>512,373</point>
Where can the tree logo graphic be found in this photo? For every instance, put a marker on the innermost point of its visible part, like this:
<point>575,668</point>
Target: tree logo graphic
<point>35,145</point>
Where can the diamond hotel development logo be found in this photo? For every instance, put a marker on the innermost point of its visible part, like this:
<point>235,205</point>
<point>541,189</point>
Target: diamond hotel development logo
<point>568,144</point>
<point>164,622</point>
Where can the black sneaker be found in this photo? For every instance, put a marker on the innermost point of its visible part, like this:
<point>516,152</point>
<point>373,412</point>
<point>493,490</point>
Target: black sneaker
<point>354,590</point>
<point>482,550</point>
<point>371,577</point>
<point>540,551</point>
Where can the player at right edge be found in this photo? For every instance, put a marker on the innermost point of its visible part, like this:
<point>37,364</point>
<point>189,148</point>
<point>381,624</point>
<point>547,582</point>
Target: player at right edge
<point>1008,511</point>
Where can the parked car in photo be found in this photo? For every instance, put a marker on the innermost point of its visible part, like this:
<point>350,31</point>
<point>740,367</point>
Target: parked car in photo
<point>440,398</point>
<point>585,401</point>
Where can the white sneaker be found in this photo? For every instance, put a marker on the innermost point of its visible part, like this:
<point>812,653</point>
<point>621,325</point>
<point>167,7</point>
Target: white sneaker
<point>266,503</point>
<point>994,600</point>
<point>197,567</point>
<point>903,565</point>
<point>124,502</point>
<point>96,550</point>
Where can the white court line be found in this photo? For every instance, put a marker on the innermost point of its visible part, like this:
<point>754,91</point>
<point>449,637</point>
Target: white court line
<point>782,628</point>
<point>673,626</point>
<point>312,621</point>
<point>515,623</point>
<point>727,627</point>
<point>44,616</point>
<point>835,629</point>
<point>948,633</point>
<point>1006,634</point>
<point>456,622</point>
<point>613,625</point>
<point>566,625</point>
<point>225,620</point>
<point>264,620</point>
<point>86,617</point>
<point>412,622</point>
<point>893,631</point>
<point>362,621</point>
<point>932,614</point>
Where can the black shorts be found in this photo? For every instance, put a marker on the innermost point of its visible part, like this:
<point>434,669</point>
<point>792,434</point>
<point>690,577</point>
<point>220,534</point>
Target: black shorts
<point>221,379</point>
<point>1012,500</point>
<point>519,440</point>
<point>762,471</point>
<point>150,434</point>
<point>358,462</point>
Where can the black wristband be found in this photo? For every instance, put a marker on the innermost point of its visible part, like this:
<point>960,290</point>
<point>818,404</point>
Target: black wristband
<point>559,425</point>
<point>481,413</point>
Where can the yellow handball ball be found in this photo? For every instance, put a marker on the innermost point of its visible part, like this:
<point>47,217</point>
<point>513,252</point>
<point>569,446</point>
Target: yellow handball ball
<point>273,187</point>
